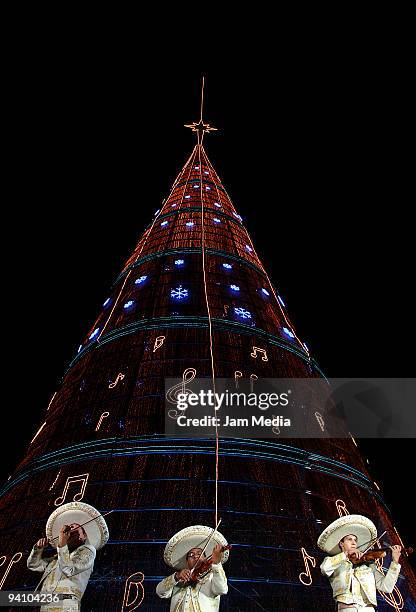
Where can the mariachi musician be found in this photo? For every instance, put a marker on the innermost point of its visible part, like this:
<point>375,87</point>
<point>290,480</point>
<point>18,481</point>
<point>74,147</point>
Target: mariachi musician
<point>353,578</point>
<point>196,554</point>
<point>67,572</point>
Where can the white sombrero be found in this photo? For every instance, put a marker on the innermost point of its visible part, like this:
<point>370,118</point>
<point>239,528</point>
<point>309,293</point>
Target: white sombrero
<point>78,512</point>
<point>354,524</point>
<point>192,537</point>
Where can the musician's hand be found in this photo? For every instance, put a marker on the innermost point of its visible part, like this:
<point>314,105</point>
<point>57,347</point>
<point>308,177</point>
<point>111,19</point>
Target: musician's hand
<point>216,554</point>
<point>395,552</point>
<point>63,535</point>
<point>183,576</point>
<point>357,554</point>
<point>42,543</point>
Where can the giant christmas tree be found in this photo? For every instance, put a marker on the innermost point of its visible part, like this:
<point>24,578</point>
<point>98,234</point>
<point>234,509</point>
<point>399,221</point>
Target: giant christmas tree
<point>192,300</point>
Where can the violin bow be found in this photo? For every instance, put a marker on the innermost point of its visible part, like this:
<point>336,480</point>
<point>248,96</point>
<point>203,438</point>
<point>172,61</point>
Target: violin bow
<point>86,523</point>
<point>371,542</point>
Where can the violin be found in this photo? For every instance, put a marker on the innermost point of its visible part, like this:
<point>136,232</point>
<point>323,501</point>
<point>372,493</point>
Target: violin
<point>377,553</point>
<point>203,568</point>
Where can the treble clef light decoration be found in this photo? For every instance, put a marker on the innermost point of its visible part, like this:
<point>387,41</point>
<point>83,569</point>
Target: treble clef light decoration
<point>172,393</point>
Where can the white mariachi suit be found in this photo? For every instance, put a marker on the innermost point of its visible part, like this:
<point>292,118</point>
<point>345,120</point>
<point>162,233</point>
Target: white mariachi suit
<point>203,597</point>
<point>356,585</point>
<point>68,573</point>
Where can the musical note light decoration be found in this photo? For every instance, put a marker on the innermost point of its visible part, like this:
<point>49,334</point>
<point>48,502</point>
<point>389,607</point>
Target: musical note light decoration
<point>80,478</point>
<point>158,343</point>
<point>307,581</point>
<point>256,350</point>
<point>15,559</point>
<point>135,580</point>
<point>120,377</point>
<point>341,507</point>
<point>100,420</point>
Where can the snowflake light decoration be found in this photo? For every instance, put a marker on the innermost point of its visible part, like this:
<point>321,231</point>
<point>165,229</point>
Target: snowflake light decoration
<point>163,224</point>
<point>235,287</point>
<point>190,224</point>
<point>288,332</point>
<point>179,262</point>
<point>179,293</point>
<point>94,333</point>
<point>216,220</point>
<point>227,266</point>
<point>128,304</point>
<point>140,280</point>
<point>243,313</point>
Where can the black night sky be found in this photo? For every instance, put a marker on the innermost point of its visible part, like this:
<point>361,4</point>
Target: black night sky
<point>312,158</point>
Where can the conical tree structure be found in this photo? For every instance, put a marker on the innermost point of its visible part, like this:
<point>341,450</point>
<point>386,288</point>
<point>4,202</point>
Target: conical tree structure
<point>193,299</point>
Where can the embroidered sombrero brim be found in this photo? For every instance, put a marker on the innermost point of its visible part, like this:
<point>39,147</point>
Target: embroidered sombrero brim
<point>354,524</point>
<point>192,537</point>
<point>78,512</point>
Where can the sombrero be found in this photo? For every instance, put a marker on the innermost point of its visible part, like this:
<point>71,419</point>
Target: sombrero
<point>78,512</point>
<point>192,537</point>
<point>354,524</point>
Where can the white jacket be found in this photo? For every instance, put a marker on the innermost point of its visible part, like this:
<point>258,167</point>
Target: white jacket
<point>66,573</point>
<point>203,597</point>
<point>357,584</point>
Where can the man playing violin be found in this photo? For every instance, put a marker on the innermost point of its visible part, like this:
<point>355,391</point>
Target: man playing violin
<point>67,572</point>
<point>354,580</point>
<point>187,589</point>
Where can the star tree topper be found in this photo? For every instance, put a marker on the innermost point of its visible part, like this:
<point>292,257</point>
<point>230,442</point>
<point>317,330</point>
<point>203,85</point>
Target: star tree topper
<point>201,128</point>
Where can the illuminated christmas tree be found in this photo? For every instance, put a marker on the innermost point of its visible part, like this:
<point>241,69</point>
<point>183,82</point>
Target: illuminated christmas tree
<point>192,300</point>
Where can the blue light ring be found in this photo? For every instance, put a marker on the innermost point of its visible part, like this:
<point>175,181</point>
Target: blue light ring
<point>186,321</point>
<point>161,449</point>
<point>178,321</point>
